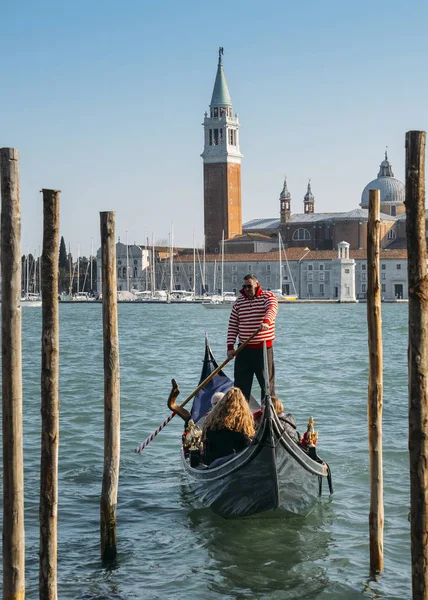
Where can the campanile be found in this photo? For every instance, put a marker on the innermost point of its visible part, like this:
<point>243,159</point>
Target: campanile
<point>222,166</point>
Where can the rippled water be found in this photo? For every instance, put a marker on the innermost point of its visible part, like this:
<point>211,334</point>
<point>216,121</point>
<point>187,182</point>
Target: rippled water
<point>166,548</point>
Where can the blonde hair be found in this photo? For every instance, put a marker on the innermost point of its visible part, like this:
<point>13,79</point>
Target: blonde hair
<point>277,405</point>
<point>231,412</point>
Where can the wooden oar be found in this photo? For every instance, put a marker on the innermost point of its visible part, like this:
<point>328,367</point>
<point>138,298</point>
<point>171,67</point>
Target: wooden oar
<point>175,391</point>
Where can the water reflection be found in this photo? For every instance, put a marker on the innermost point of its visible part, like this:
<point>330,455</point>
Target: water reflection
<point>266,558</point>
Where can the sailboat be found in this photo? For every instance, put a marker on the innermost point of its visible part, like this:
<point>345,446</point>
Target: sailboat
<point>226,299</point>
<point>30,298</point>
<point>279,293</point>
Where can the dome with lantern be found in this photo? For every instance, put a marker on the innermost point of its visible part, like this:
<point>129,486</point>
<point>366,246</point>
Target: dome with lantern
<point>392,190</point>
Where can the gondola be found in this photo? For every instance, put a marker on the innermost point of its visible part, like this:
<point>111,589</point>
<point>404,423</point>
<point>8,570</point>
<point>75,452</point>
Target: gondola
<point>272,476</point>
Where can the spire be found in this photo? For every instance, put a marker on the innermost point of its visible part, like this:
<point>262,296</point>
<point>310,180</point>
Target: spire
<point>309,197</point>
<point>285,194</point>
<point>385,169</point>
<point>221,96</point>
<point>309,200</point>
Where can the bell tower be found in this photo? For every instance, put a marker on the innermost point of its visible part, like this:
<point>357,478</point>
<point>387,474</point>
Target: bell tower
<point>222,166</point>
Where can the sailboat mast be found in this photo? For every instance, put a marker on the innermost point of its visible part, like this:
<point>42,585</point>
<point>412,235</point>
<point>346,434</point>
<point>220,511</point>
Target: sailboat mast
<point>194,265</point>
<point>153,265</point>
<point>127,263</point>
<point>171,249</point>
<point>214,277</point>
<point>92,253</point>
<point>78,268</point>
<point>280,262</point>
<point>222,265</point>
<point>70,289</point>
<point>27,286</point>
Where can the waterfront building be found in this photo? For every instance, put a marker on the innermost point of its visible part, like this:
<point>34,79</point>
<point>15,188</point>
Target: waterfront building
<point>222,166</point>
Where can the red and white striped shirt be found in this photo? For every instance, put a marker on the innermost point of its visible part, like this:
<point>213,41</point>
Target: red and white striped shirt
<point>248,314</point>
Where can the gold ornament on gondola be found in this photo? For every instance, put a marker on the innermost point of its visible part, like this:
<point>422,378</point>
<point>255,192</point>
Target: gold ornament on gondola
<point>310,437</point>
<point>192,437</point>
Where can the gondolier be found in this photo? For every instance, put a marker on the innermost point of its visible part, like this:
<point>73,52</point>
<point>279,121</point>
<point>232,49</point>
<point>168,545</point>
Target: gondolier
<point>254,308</point>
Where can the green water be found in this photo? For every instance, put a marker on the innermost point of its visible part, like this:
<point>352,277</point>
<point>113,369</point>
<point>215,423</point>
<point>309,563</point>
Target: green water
<point>166,548</point>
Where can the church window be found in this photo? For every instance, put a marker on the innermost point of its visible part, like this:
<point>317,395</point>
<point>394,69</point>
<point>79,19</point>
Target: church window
<point>363,288</point>
<point>398,267</point>
<point>268,267</point>
<point>363,267</point>
<point>321,289</point>
<point>391,234</point>
<point>222,111</point>
<point>135,271</point>
<point>211,137</point>
<point>215,137</point>
<point>135,262</point>
<point>301,234</point>
<point>119,272</point>
<point>394,211</point>
<point>321,276</point>
<point>383,267</point>
<point>310,267</point>
<point>321,267</point>
<point>215,112</point>
<point>346,270</point>
<point>221,135</point>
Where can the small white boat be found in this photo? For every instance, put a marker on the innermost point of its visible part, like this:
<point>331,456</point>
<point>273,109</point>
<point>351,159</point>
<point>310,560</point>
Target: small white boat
<point>31,299</point>
<point>221,302</point>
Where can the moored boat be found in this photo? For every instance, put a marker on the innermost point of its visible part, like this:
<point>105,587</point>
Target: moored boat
<point>273,476</point>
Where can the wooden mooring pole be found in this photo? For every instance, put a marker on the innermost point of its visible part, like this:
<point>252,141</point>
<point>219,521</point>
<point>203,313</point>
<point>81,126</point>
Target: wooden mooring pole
<point>49,398</point>
<point>111,388</point>
<point>13,471</point>
<point>418,359</point>
<point>375,389</point>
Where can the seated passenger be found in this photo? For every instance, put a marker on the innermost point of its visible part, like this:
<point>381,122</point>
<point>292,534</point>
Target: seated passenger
<point>217,396</point>
<point>228,428</point>
<point>288,420</point>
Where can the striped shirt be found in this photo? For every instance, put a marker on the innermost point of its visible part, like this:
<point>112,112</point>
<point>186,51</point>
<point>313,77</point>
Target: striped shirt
<point>248,314</point>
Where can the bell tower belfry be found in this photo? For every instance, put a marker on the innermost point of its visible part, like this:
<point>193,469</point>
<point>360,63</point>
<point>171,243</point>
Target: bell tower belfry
<point>222,166</point>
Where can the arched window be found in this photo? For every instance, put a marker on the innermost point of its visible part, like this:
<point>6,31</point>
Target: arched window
<point>301,234</point>
<point>124,272</point>
<point>119,272</point>
<point>391,235</point>
<point>135,271</point>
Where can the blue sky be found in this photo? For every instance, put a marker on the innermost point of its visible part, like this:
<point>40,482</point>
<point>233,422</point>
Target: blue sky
<point>105,101</point>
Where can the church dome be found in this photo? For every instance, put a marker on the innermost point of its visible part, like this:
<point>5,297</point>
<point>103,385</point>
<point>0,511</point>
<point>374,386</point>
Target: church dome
<point>392,191</point>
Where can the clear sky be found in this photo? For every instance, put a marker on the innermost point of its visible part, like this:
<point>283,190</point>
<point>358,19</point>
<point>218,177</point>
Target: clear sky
<point>104,100</point>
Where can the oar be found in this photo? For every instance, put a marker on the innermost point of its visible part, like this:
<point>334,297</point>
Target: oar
<point>175,391</point>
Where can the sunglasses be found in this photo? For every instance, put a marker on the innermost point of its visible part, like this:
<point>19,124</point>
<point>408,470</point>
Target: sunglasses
<point>247,285</point>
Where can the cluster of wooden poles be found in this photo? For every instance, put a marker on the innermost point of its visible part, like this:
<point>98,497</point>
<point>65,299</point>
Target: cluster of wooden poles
<point>417,368</point>
<point>13,475</point>
<point>13,480</point>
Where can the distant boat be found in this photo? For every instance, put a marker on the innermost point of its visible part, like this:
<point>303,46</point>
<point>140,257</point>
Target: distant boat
<point>220,302</point>
<point>31,299</point>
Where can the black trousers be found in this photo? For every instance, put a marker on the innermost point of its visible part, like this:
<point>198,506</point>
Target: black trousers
<point>248,363</point>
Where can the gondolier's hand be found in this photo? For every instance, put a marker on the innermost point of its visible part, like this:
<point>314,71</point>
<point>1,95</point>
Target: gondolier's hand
<point>231,354</point>
<point>264,327</point>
